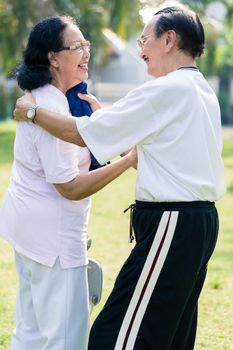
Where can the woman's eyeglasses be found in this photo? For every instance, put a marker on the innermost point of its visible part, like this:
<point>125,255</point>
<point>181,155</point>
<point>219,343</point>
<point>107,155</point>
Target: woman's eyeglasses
<point>79,47</point>
<point>141,41</point>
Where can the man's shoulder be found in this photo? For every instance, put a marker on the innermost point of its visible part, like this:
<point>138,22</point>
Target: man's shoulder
<point>162,86</point>
<point>170,80</point>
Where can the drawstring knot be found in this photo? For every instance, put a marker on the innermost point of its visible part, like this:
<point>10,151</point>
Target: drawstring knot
<point>132,208</point>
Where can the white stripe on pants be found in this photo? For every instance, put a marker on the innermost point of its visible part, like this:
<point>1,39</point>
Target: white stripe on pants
<point>52,307</point>
<point>147,281</point>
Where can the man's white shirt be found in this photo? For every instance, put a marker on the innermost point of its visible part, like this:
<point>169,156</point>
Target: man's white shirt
<point>176,124</point>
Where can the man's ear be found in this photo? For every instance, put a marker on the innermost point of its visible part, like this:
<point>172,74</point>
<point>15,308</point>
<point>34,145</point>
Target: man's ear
<point>52,57</point>
<point>171,38</point>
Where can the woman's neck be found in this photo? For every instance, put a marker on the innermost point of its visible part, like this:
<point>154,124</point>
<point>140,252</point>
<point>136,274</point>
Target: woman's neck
<point>59,86</point>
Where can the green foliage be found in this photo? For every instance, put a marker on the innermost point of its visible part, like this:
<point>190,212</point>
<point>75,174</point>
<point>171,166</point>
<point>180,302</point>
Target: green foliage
<point>225,74</point>
<point>14,93</point>
<point>208,62</point>
<point>124,18</point>
<point>93,15</point>
<point>6,144</point>
<point>3,102</point>
<point>218,58</point>
<point>8,97</point>
<point>14,24</point>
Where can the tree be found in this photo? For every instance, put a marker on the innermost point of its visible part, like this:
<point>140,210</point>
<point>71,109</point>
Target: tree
<point>94,15</point>
<point>18,16</point>
<point>124,17</point>
<point>225,53</point>
<point>219,55</point>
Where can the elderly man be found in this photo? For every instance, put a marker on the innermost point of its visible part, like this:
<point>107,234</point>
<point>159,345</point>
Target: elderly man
<point>175,122</point>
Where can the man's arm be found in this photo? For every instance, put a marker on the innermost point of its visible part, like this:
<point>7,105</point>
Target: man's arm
<point>59,126</point>
<point>56,124</point>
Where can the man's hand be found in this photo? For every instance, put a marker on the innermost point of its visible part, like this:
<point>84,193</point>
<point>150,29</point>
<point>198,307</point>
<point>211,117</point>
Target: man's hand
<point>92,100</point>
<point>22,105</point>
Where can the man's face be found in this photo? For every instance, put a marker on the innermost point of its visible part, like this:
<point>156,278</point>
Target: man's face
<point>152,50</point>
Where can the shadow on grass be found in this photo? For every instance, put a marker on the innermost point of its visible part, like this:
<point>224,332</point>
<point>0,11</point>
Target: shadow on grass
<point>6,146</point>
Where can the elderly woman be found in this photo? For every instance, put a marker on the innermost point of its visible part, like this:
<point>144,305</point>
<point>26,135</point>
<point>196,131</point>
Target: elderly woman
<point>45,213</point>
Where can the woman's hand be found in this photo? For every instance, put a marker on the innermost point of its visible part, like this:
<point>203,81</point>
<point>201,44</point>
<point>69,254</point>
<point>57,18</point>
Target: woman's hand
<point>92,100</point>
<point>22,105</point>
<point>133,156</point>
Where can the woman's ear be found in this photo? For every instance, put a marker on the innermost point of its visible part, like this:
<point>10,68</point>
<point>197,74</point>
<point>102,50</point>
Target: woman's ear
<point>52,57</point>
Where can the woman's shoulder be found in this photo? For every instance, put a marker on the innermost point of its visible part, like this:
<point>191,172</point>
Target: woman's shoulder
<point>51,98</point>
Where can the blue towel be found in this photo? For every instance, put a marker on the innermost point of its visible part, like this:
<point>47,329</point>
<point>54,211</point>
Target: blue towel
<point>80,108</point>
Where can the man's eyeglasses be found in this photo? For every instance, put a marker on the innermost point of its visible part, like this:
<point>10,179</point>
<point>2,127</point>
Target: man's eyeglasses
<point>141,41</point>
<point>79,47</point>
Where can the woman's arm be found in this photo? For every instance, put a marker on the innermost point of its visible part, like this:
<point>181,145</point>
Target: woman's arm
<point>55,123</point>
<point>87,184</point>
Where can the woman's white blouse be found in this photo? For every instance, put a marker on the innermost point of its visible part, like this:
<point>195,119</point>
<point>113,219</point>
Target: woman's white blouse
<point>37,221</point>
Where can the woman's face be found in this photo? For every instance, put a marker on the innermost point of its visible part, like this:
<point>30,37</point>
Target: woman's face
<point>69,67</point>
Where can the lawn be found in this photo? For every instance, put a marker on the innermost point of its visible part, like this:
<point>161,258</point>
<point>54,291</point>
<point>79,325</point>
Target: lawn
<point>109,232</point>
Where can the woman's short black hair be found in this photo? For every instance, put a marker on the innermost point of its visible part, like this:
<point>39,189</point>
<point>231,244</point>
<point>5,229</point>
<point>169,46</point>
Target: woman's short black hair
<point>46,36</point>
<point>186,24</point>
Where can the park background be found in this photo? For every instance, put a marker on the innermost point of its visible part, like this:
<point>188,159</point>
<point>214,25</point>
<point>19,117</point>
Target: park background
<point>112,26</point>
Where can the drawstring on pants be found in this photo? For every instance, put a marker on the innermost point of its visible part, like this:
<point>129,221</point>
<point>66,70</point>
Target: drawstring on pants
<point>132,208</point>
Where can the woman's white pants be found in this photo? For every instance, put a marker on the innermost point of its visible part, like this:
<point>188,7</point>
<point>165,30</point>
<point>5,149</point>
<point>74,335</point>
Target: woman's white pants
<point>52,307</point>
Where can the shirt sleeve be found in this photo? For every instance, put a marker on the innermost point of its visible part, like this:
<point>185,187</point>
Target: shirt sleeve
<point>135,119</point>
<point>109,132</point>
<point>58,158</point>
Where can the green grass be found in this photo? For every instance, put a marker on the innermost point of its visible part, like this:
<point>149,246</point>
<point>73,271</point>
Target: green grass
<point>109,231</point>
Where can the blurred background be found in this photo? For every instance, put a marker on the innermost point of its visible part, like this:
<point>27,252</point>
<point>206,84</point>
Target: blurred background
<point>112,26</point>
